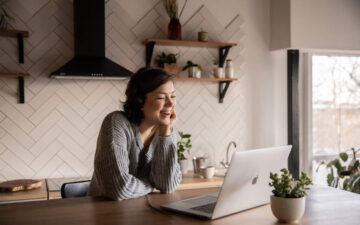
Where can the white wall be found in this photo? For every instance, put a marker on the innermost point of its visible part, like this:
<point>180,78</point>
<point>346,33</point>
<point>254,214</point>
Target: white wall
<point>54,133</point>
<point>320,24</point>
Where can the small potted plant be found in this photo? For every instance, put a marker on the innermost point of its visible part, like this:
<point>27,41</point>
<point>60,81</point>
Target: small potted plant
<point>183,145</point>
<point>193,68</point>
<point>218,71</point>
<point>168,62</point>
<point>288,201</point>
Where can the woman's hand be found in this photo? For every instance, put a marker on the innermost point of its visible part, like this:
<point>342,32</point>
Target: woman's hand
<point>164,130</point>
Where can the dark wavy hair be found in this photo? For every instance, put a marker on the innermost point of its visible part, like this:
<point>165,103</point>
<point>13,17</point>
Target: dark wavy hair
<point>145,80</point>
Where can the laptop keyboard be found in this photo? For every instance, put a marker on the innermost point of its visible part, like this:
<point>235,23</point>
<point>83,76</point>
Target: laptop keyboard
<point>208,208</point>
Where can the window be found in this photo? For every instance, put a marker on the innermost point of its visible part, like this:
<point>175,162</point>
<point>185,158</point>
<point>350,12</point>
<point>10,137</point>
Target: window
<point>335,108</point>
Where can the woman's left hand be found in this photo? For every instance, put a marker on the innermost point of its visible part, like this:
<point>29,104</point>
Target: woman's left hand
<point>164,130</point>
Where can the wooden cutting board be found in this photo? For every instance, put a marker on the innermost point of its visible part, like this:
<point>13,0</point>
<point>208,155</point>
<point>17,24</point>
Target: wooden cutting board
<point>18,185</point>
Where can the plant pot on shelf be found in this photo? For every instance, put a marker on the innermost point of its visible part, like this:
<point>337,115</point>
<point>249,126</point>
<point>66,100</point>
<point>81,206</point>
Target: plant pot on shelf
<point>172,68</point>
<point>183,165</point>
<point>174,29</point>
<point>194,71</point>
<point>287,209</point>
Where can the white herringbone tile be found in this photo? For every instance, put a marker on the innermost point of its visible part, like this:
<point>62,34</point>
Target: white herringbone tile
<point>46,140</point>
<point>46,155</point>
<point>18,133</point>
<point>75,163</point>
<point>45,109</point>
<point>72,146</point>
<point>16,117</point>
<point>72,116</point>
<point>46,123</point>
<point>50,167</point>
<point>54,133</point>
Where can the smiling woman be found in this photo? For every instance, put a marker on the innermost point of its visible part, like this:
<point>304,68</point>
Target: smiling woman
<point>136,149</point>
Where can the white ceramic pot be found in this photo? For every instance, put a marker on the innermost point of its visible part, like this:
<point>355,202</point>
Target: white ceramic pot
<point>287,209</point>
<point>219,72</point>
<point>194,72</point>
<point>183,166</point>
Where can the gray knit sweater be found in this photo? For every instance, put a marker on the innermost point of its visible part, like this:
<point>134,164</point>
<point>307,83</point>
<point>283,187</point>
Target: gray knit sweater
<point>123,169</point>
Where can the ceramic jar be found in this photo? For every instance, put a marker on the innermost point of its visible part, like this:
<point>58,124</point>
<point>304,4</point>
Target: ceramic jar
<point>229,69</point>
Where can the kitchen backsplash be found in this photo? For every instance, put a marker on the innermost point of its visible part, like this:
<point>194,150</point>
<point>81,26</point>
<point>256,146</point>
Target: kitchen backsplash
<point>54,133</point>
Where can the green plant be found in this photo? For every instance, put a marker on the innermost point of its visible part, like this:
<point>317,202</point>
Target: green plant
<point>286,187</point>
<point>171,7</point>
<point>164,58</point>
<point>216,62</point>
<point>343,174</point>
<point>183,145</point>
<point>191,64</point>
<point>4,16</point>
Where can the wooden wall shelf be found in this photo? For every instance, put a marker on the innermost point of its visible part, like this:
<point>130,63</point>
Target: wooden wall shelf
<point>204,79</point>
<point>189,43</point>
<point>14,75</point>
<point>14,33</point>
<point>19,34</point>
<point>223,52</point>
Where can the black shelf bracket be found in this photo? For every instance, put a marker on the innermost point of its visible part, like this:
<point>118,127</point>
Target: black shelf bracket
<point>223,52</point>
<point>21,90</point>
<point>20,39</point>
<point>149,52</point>
<point>223,90</point>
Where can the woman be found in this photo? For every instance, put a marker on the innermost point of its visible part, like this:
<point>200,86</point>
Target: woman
<point>136,149</point>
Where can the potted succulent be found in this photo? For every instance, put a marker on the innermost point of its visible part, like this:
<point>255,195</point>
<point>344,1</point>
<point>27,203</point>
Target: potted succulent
<point>193,68</point>
<point>183,145</point>
<point>168,62</point>
<point>288,201</point>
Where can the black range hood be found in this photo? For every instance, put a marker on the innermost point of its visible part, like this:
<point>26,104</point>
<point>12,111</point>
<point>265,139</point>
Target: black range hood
<point>90,61</point>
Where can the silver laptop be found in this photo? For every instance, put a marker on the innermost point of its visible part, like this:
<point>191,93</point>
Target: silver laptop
<point>245,185</point>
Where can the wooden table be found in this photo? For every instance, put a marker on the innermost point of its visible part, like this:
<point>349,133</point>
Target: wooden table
<point>324,206</point>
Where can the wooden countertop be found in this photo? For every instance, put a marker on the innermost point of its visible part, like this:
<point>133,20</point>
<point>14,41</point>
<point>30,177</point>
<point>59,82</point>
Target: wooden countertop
<point>189,181</point>
<point>25,195</point>
<point>324,206</point>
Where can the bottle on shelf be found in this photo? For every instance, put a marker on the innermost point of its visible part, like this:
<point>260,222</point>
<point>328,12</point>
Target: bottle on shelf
<point>229,69</point>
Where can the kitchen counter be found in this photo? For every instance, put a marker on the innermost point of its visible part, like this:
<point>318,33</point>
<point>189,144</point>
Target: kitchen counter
<point>51,187</point>
<point>37,194</point>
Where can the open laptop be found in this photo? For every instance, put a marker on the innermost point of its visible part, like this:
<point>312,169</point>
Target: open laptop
<point>246,185</point>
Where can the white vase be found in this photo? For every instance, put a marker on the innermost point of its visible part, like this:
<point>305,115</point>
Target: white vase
<point>183,165</point>
<point>287,209</point>
<point>229,69</point>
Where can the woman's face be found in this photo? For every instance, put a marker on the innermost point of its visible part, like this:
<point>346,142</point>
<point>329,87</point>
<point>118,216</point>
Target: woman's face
<point>159,104</point>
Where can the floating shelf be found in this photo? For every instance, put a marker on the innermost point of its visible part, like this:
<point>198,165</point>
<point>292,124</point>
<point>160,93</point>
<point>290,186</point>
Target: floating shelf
<point>203,44</point>
<point>14,33</point>
<point>20,77</point>
<point>223,51</point>
<point>14,75</point>
<point>204,79</point>
<point>19,34</point>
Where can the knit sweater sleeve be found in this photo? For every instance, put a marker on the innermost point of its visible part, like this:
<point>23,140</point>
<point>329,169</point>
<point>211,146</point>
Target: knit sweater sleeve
<point>112,163</point>
<point>165,170</point>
